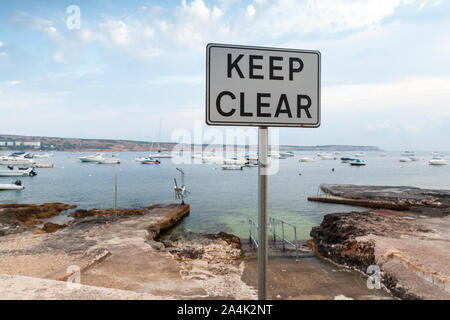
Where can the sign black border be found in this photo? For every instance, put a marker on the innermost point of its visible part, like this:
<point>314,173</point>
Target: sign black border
<point>272,124</point>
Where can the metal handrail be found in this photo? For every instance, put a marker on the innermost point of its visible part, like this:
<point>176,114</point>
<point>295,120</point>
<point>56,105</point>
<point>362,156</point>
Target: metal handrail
<point>272,223</point>
<point>253,231</point>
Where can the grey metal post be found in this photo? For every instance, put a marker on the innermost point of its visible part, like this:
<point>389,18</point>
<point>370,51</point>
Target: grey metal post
<point>115,195</point>
<point>262,212</point>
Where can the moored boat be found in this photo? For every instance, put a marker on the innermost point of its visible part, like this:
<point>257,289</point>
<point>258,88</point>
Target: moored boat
<point>357,162</point>
<point>407,153</point>
<point>150,161</point>
<point>12,186</point>
<point>17,159</point>
<point>92,158</point>
<point>306,159</point>
<point>108,161</point>
<point>326,156</point>
<point>232,167</point>
<point>17,172</point>
<point>437,161</point>
<point>346,159</point>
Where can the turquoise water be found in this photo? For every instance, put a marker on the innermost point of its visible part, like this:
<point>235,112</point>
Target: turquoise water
<point>220,200</point>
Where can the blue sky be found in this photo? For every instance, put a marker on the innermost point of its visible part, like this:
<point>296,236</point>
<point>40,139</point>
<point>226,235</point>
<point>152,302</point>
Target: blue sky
<point>385,66</point>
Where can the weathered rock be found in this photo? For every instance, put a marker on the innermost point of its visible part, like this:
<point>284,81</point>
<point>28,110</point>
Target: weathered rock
<point>421,201</point>
<point>82,213</point>
<point>411,249</point>
<point>50,227</point>
<point>16,217</point>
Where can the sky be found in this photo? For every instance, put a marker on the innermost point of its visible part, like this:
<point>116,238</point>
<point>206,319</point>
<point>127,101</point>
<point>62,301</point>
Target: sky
<point>132,65</point>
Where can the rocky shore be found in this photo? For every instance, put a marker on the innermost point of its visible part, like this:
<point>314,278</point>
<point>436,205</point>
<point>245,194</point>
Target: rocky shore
<point>410,244</point>
<point>116,254</point>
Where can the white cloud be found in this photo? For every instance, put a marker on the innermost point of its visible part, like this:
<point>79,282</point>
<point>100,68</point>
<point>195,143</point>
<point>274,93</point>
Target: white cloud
<point>133,37</point>
<point>26,20</point>
<point>1,44</point>
<point>251,11</point>
<point>419,96</point>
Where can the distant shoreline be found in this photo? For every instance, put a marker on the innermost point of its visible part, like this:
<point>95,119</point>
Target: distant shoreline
<point>18,143</point>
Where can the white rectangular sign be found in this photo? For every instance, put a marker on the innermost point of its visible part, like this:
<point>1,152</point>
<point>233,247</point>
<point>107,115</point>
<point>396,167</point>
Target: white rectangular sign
<point>258,86</point>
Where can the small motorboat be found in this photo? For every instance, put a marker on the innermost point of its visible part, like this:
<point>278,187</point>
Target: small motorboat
<point>150,161</point>
<point>17,159</point>
<point>235,161</point>
<point>326,156</point>
<point>277,155</point>
<point>306,159</point>
<point>43,156</point>
<point>13,186</point>
<point>160,155</point>
<point>407,153</point>
<point>357,162</point>
<point>232,167</point>
<point>212,159</point>
<point>347,160</point>
<point>92,158</point>
<point>17,172</point>
<point>405,160</point>
<point>108,161</point>
<point>287,154</point>
<point>437,162</point>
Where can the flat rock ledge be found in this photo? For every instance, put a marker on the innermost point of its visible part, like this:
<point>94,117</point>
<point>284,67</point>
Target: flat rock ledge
<point>410,246</point>
<point>115,255</point>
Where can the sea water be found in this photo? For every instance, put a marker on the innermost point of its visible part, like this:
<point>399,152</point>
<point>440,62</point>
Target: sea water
<point>220,200</point>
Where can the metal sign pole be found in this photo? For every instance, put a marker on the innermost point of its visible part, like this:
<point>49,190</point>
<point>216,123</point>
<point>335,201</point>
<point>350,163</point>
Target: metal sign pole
<point>262,212</point>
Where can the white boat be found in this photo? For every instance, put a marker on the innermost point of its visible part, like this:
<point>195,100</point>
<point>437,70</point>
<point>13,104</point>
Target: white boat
<point>108,161</point>
<point>150,160</point>
<point>212,159</point>
<point>414,159</point>
<point>287,154</point>
<point>17,159</point>
<point>437,161</point>
<point>383,154</point>
<point>404,160</point>
<point>160,155</point>
<point>407,153</point>
<point>235,161</point>
<point>360,155</point>
<point>326,156</point>
<point>92,158</point>
<point>306,159</point>
<point>232,167</point>
<point>12,186</point>
<point>357,162</point>
<point>276,155</point>
<point>43,156</point>
<point>17,172</point>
